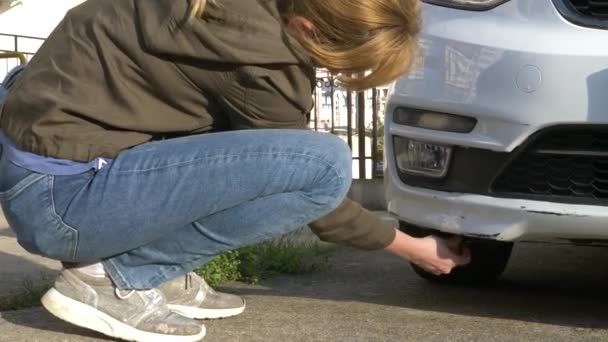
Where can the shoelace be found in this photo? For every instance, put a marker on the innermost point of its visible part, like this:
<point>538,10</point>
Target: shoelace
<point>189,281</point>
<point>204,286</point>
<point>153,294</point>
<point>118,293</point>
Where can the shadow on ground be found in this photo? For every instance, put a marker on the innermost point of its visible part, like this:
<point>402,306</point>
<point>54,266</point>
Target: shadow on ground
<point>40,277</point>
<point>365,296</point>
<point>40,322</point>
<point>16,272</point>
<point>7,233</point>
<point>557,285</point>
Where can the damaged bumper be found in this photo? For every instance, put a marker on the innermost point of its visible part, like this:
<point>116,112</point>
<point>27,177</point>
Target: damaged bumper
<point>496,218</point>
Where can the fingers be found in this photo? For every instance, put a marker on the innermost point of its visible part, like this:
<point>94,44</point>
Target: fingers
<point>438,272</point>
<point>444,269</point>
<point>459,256</point>
<point>440,267</point>
<point>462,255</point>
<point>440,256</point>
<point>464,258</point>
<point>454,243</point>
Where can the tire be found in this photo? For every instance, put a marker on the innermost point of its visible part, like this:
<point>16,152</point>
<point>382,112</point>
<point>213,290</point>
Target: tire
<point>489,259</point>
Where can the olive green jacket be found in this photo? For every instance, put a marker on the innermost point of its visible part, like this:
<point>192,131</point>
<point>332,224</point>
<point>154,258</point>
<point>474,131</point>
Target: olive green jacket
<point>115,74</point>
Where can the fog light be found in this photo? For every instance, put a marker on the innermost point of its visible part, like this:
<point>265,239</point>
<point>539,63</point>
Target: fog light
<point>421,158</point>
<point>433,120</point>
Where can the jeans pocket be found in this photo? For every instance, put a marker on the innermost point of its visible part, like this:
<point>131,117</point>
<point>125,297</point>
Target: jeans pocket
<point>30,211</point>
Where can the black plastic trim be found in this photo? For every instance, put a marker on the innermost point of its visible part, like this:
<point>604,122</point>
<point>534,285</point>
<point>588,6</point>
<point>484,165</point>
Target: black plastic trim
<point>474,171</point>
<point>565,8</point>
<point>470,119</point>
<point>545,198</point>
<point>471,170</point>
<point>465,7</point>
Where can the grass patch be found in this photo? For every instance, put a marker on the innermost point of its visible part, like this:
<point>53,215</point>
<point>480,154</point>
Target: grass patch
<point>254,263</point>
<point>27,297</point>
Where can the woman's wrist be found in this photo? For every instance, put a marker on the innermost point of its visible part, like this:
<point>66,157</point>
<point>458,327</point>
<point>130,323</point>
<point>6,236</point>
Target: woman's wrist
<point>402,245</point>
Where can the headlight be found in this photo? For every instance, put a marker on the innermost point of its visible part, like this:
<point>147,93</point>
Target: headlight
<point>476,5</point>
<point>420,158</point>
<point>433,120</point>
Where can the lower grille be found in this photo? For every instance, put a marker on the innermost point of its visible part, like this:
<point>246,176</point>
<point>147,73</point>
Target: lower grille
<point>592,8</point>
<point>570,164</point>
<point>589,13</point>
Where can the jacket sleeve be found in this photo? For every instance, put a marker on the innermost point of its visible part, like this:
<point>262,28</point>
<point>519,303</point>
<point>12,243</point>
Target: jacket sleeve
<point>352,225</point>
<point>263,98</point>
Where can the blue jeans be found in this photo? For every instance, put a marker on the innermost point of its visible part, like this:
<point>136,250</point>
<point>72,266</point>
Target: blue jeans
<point>164,208</point>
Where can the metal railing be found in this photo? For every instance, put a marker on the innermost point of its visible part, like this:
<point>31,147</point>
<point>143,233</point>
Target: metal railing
<point>17,55</point>
<point>25,45</point>
<point>356,117</point>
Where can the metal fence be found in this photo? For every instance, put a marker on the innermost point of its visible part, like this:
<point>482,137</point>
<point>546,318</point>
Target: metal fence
<point>16,43</point>
<point>355,117</point>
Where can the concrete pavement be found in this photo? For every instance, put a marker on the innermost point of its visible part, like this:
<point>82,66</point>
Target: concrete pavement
<point>549,293</point>
<point>18,266</point>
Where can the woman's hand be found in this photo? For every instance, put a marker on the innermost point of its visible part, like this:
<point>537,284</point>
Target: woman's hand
<point>434,254</point>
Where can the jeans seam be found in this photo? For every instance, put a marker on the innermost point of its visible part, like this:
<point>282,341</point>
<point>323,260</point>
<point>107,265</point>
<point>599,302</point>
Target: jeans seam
<point>73,248</point>
<point>114,272</point>
<point>113,264</point>
<point>21,186</point>
<point>195,161</point>
<point>161,278</point>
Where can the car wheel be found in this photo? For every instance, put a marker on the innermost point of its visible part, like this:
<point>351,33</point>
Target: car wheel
<point>489,259</point>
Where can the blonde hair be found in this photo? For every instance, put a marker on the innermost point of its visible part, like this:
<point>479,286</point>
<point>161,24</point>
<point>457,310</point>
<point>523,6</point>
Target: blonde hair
<point>368,42</point>
<point>197,7</point>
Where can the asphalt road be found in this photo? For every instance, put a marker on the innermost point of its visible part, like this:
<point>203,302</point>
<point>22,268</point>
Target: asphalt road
<point>549,293</point>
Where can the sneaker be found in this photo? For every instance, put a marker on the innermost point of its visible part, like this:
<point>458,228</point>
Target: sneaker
<point>190,296</point>
<point>131,315</point>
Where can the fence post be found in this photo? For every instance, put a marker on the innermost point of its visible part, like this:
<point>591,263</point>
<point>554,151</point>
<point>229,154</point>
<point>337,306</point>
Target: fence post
<point>374,133</point>
<point>316,109</point>
<point>361,133</point>
<point>349,118</point>
<point>333,103</point>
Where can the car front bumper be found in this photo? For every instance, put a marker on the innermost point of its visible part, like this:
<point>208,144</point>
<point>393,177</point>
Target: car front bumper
<point>497,218</point>
<point>518,69</point>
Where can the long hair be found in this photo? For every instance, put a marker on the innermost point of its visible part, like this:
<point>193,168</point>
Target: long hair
<point>368,42</point>
<point>197,8</point>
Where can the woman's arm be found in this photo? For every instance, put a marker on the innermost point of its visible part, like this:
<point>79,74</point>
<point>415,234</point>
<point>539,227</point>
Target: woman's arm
<point>273,99</point>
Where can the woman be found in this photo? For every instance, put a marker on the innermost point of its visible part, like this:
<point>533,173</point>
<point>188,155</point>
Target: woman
<point>147,137</point>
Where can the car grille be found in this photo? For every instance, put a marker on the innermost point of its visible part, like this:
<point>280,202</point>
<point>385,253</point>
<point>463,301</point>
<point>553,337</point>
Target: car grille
<point>570,164</point>
<point>592,8</point>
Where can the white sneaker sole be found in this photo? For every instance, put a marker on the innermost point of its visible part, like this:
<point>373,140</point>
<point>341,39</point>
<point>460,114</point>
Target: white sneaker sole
<point>200,313</point>
<point>85,316</point>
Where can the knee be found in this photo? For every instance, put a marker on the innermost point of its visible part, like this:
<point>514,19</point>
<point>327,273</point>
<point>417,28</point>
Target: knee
<point>341,156</point>
<point>337,180</point>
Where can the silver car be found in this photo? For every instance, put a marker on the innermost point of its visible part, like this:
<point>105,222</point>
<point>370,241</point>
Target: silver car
<point>501,132</point>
